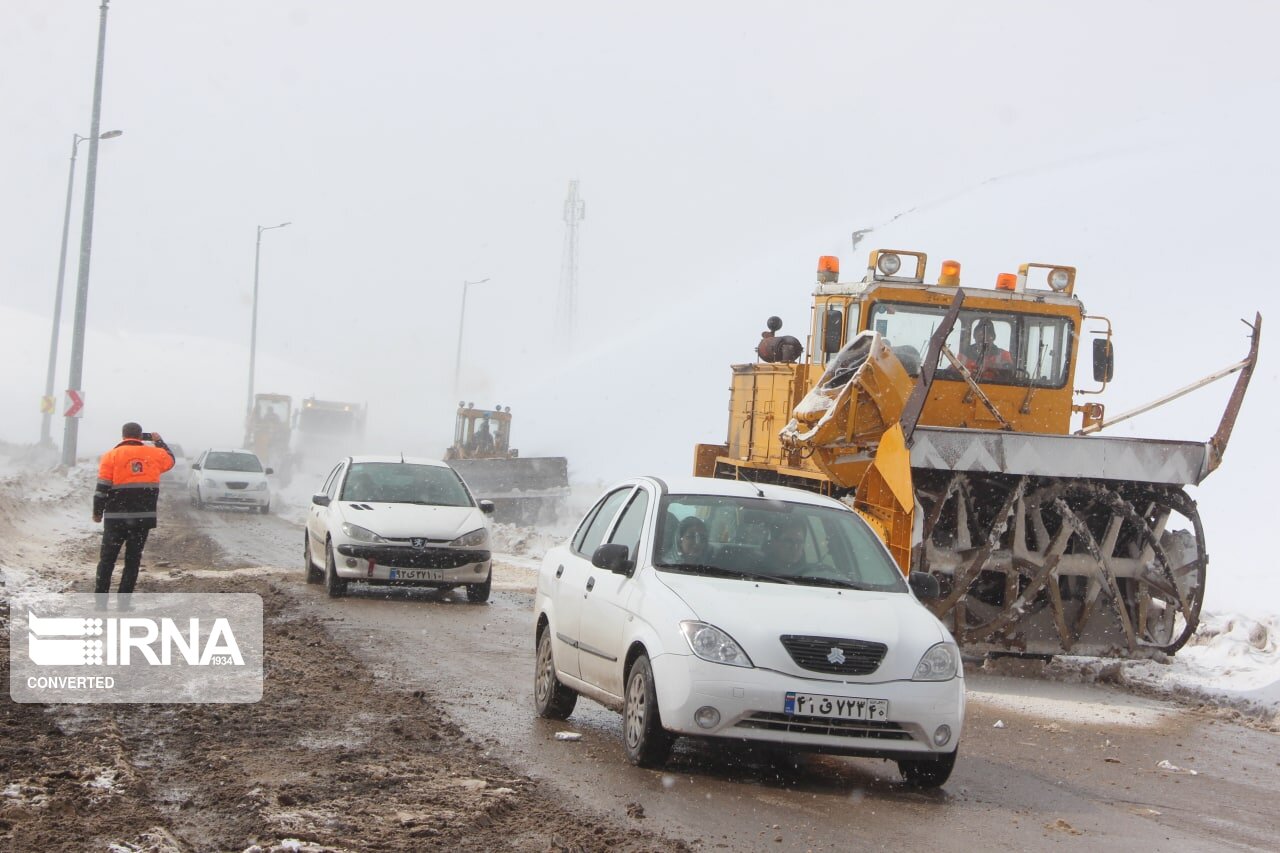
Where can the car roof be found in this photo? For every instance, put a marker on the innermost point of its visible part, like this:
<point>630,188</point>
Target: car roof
<point>407,460</point>
<point>231,450</point>
<point>685,485</point>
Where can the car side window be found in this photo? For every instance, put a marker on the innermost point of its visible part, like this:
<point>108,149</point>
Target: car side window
<point>328,481</point>
<point>592,532</point>
<point>631,524</point>
<point>332,491</point>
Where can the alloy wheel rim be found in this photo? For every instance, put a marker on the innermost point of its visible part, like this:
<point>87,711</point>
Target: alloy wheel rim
<point>635,709</point>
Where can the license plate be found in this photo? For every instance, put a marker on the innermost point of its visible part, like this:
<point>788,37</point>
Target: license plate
<point>417,575</point>
<point>837,707</point>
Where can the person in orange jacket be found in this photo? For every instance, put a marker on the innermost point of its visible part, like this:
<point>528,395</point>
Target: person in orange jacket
<point>125,501</point>
<point>985,359</point>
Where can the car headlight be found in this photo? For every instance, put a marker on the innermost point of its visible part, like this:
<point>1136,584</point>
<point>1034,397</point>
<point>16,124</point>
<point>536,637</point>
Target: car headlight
<point>360,534</point>
<point>711,644</point>
<point>260,487</point>
<point>213,484</point>
<point>940,663</point>
<point>474,539</point>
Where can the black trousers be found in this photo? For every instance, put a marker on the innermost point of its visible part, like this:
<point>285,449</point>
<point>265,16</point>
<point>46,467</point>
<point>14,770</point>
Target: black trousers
<point>115,533</point>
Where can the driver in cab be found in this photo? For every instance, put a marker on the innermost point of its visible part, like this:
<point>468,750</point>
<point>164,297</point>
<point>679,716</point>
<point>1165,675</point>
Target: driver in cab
<point>984,358</point>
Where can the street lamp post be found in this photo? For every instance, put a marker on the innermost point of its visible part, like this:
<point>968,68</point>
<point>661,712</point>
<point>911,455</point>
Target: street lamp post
<point>462,319</point>
<point>72,426</point>
<point>253,334</point>
<point>46,416</point>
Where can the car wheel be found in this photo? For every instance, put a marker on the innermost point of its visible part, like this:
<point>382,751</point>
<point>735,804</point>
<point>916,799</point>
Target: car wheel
<point>200,504</point>
<point>478,593</point>
<point>927,772</point>
<point>647,743</point>
<point>264,509</point>
<point>336,586</point>
<point>553,700</point>
<point>313,575</point>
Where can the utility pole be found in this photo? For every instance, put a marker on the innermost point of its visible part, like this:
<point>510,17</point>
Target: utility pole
<point>71,431</point>
<point>253,328</point>
<point>46,416</point>
<point>575,210</point>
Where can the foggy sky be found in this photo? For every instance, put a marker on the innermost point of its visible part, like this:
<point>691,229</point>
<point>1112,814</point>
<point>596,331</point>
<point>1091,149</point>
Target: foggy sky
<point>721,147</point>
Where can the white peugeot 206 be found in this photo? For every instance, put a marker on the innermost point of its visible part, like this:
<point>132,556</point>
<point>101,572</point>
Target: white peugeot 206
<point>387,520</point>
<point>723,609</point>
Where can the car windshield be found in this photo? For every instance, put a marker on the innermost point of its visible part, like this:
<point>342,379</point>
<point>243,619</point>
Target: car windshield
<point>218,461</point>
<point>766,540</point>
<point>404,483</point>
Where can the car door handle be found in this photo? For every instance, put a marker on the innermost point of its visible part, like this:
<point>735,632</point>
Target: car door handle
<point>591,582</point>
<point>559,571</point>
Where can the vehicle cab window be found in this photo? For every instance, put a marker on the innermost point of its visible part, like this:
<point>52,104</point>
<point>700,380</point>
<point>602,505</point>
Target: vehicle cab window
<point>592,532</point>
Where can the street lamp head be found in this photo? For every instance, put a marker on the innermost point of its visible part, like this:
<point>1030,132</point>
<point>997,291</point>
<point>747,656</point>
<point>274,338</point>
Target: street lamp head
<point>111,134</point>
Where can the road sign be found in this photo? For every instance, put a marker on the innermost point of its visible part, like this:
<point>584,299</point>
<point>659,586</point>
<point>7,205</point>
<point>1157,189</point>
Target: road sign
<point>75,404</point>
<point>46,405</point>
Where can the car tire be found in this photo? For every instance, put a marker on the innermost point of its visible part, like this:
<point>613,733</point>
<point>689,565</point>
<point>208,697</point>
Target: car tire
<point>927,772</point>
<point>552,699</point>
<point>264,509</point>
<point>200,504</point>
<point>336,586</point>
<point>313,575</point>
<point>646,742</point>
<point>478,593</point>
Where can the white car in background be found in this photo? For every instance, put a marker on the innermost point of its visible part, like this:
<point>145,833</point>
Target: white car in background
<point>181,470</point>
<point>734,611</point>
<point>229,477</point>
<point>387,520</point>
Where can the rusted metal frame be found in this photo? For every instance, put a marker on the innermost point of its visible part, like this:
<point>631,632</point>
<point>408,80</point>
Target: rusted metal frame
<point>1082,530</point>
<point>973,387</point>
<point>1218,443</point>
<point>1014,610</point>
<point>1219,440</point>
<point>937,343</point>
<point>983,553</point>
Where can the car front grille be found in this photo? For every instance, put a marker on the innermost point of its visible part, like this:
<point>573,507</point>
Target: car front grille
<point>867,729</point>
<point>855,657</point>
<point>415,558</point>
<point>237,485</point>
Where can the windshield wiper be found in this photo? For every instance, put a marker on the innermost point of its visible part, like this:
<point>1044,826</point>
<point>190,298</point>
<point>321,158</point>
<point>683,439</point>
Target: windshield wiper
<point>833,582</point>
<point>722,572</point>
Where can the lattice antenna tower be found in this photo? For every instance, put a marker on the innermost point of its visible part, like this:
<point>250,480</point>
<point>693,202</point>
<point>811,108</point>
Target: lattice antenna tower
<point>575,210</point>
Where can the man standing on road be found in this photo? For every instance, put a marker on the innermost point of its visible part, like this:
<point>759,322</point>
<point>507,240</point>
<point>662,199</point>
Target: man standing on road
<point>125,501</point>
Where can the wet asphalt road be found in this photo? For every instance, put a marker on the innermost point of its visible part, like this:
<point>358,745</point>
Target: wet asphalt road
<point>1071,766</point>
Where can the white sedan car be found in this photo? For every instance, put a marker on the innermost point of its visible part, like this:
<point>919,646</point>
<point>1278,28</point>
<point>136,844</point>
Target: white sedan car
<point>229,477</point>
<point>723,609</point>
<point>389,520</point>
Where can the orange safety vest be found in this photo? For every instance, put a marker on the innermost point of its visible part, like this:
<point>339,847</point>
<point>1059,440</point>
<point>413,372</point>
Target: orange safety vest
<point>129,481</point>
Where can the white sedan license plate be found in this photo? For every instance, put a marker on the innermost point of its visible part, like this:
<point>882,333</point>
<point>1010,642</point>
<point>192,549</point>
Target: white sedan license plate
<point>838,707</point>
<point>417,575</point>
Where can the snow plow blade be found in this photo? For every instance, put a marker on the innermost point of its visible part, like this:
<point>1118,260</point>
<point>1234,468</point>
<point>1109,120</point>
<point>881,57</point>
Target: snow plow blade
<point>523,490</point>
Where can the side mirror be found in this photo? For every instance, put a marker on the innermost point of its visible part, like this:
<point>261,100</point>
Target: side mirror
<point>485,506</point>
<point>924,585</point>
<point>320,500</point>
<point>832,330</point>
<point>1104,360</point>
<point>195,466</point>
<point>612,558</point>
<point>269,471</point>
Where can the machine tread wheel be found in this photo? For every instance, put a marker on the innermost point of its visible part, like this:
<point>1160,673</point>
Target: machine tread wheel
<point>552,699</point>
<point>646,742</point>
<point>927,772</point>
<point>335,585</point>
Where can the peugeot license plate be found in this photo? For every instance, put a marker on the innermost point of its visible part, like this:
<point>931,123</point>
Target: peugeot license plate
<point>417,575</point>
<point>837,707</point>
